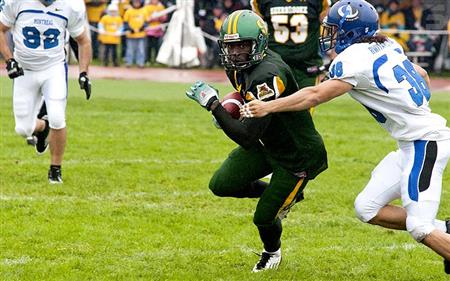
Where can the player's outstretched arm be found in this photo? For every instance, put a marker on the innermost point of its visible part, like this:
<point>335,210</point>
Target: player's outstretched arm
<point>422,72</point>
<point>303,99</point>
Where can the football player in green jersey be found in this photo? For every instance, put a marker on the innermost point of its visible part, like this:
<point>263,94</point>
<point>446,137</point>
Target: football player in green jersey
<point>294,28</point>
<point>285,144</point>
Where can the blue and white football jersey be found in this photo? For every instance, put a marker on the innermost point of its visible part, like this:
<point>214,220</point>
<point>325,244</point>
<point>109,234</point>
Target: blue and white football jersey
<point>385,82</point>
<point>39,32</point>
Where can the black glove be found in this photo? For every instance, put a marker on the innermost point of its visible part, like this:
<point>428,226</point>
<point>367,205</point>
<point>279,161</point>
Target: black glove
<point>13,68</point>
<point>85,84</point>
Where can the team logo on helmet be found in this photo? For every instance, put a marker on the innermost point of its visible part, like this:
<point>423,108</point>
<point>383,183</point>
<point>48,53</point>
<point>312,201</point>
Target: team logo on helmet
<point>348,12</point>
<point>262,26</point>
<point>2,3</point>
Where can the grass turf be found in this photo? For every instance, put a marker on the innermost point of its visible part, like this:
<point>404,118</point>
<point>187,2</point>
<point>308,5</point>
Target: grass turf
<point>135,204</point>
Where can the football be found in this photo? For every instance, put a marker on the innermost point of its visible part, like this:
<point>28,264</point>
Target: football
<point>232,102</point>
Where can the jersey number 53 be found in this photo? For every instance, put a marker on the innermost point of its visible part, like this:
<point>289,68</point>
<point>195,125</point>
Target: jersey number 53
<point>282,25</point>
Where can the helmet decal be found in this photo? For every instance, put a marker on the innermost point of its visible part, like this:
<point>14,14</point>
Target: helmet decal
<point>262,25</point>
<point>349,13</point>
<point>347,22</point>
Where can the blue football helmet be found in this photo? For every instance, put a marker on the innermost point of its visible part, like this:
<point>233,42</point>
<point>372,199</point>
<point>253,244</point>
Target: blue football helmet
<point>347,22</point>
<point>47,2</point>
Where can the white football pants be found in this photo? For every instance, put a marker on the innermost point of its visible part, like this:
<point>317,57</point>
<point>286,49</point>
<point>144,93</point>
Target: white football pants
<point>414,174</point>
<point>29,92</point>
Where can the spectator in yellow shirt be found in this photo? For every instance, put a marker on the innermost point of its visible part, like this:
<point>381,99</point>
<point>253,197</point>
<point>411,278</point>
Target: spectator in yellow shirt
<point>393,18</point>
<point>110,28</point>
<point>95,10</point>
<point>154,32</point>
<point>135,22</point>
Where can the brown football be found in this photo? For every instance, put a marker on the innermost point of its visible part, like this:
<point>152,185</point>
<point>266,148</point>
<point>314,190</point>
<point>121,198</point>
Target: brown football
<point>232,102</point>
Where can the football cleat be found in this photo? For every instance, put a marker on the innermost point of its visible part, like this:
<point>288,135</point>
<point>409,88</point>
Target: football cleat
<point>54,175</point>
<point>268,261</point>
<point>31,140</point>
<point>447,262</point>
<point>42,138</point>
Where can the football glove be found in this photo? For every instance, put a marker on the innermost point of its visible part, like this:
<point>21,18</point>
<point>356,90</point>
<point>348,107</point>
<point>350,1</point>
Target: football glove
<point>203,93</point>
<point>85,84</point>
<point>13,68</point>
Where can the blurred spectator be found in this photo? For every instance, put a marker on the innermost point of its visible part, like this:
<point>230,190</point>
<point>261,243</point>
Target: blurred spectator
<point>95,9</point>
<point>230,6</point>
<point>155,32</point>
<point>110,28</point>
<point>393,18</point>
<point>135,19</point>
<point>207,25</point>
<point>448,29</point>
<point>416,16</point>
<point>218,17</point>
<point>416,19</point>
<point>201,8</point>
<point>123,6</point>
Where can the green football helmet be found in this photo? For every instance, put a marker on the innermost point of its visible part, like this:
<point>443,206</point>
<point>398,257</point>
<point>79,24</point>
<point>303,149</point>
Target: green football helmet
<point>242,26</point>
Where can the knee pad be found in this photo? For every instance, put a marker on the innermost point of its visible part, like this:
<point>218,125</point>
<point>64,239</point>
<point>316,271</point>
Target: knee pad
<point>365,208</point>
<point>57,121</point>
<point>418,227</point>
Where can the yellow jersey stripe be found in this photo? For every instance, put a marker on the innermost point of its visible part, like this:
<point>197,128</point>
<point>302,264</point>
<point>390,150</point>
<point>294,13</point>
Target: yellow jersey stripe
<point>255,7</point>
<point>291,196</point>
<point>237,86</point>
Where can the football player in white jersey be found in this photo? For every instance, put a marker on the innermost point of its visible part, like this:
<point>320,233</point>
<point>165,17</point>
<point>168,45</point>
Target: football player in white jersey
<point>39,70</point>
<point>375,72</point>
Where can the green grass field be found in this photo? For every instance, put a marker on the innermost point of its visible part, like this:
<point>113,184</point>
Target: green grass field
<point>135,203</point>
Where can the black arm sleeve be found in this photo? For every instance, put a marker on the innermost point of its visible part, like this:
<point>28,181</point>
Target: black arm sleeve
<point>246,133</point>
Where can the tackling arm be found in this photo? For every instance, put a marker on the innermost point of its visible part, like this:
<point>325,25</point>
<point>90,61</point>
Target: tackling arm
<point>301,100</point>
<point>422,72</point>
<point>4,47</point>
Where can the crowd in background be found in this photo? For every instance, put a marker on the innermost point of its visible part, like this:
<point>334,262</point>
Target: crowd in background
<point>133,25</point>
<point>394,15</point>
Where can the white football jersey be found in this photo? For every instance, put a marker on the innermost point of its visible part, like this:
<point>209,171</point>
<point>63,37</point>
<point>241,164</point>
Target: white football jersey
<point>39,32</point>
<point>385,82</point>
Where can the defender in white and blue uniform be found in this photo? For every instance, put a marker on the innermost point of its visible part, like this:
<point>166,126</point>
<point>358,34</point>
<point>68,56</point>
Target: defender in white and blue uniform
<point>38,67</point>
<point>375,71</point>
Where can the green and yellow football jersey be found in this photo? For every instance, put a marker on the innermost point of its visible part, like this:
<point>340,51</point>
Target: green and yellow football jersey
<point>294,28</point>
<point>290,138</point>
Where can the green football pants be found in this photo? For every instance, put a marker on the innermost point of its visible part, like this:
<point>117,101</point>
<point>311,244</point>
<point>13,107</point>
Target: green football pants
<point>238,177</point>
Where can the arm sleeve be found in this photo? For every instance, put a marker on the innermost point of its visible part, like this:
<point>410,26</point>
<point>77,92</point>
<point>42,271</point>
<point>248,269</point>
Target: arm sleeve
<point>7,14</point>
<point>350,70</point>
<point>77,19</point>
<point>247,132</point>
